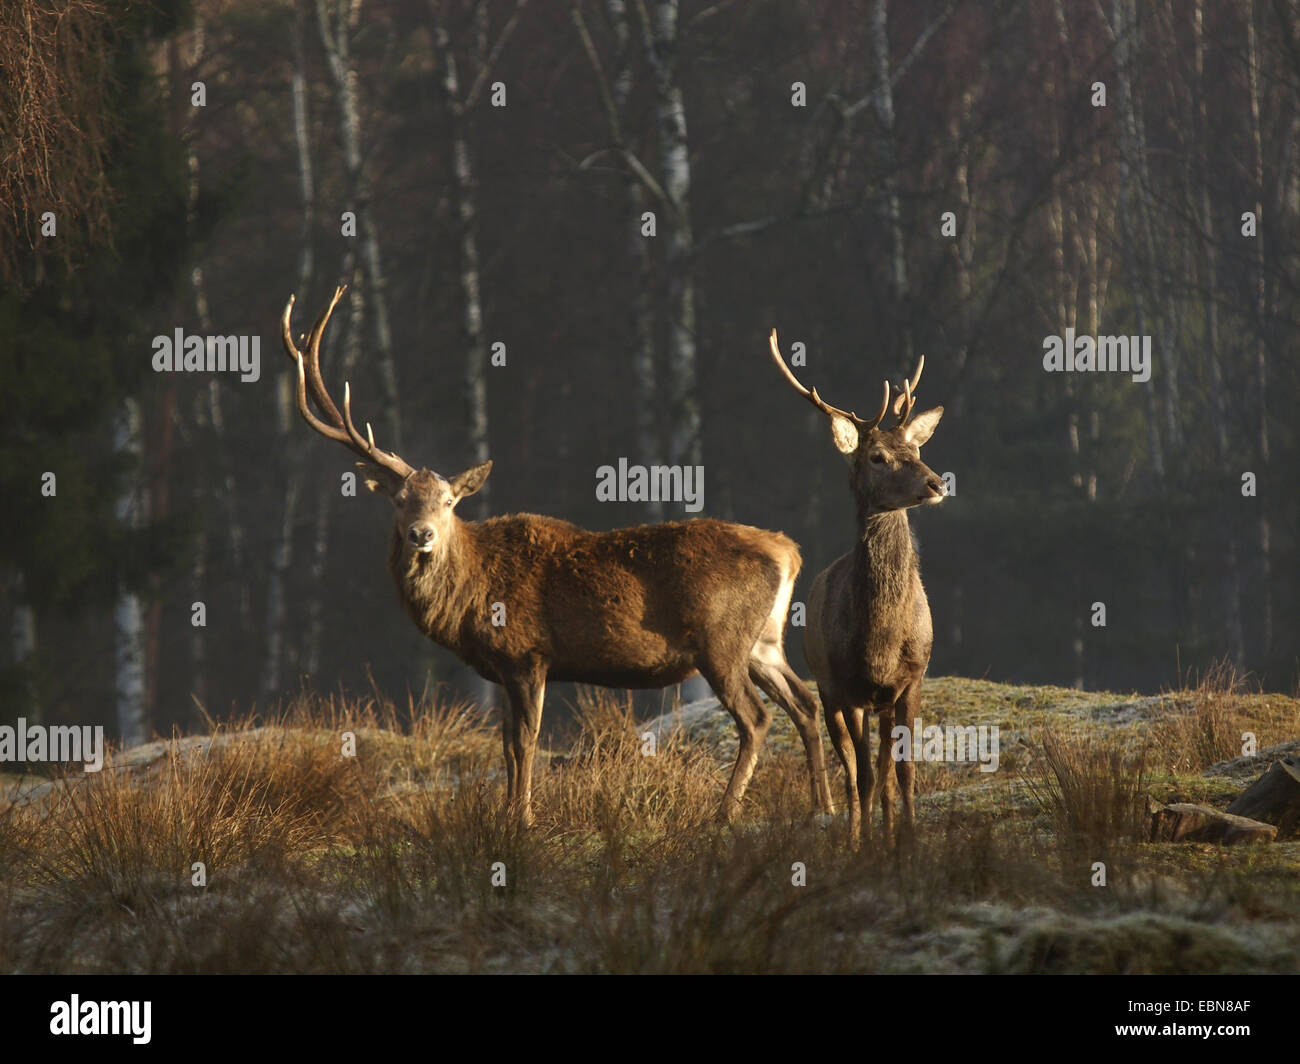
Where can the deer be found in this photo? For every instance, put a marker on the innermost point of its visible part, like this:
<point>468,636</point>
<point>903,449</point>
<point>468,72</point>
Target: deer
<point>524,598</point>
<point>868,635</point>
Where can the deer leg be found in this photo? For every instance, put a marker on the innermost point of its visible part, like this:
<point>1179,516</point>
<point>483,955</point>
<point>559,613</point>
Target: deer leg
<point>525,696</point>
<point>906,711</point>
<point>843,744</point>
<point>739,697</point>
<point>861,738</point>
<point>508,746</point>
<point>885,764</point>
<point>773,674</point>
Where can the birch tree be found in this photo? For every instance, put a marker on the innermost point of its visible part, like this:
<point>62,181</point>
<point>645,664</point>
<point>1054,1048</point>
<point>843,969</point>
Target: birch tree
<point>22,646</point>
<point>891,209</point>
<point>285,447</point>
<point>615,93</point>
<point>1259,412</point>
<point>680,396</point>
<point>1130,211</point>
<point>1214,351</point>
<point>460,99</point>
<point>128,616</point>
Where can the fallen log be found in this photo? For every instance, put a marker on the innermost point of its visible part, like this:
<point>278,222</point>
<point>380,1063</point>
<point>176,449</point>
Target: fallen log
<point>1189,822</point>
<point>1274,798</point>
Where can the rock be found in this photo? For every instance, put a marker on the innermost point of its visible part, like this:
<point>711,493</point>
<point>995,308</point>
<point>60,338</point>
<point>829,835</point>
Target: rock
<point>1254,763</point>
<point>1189,822</point>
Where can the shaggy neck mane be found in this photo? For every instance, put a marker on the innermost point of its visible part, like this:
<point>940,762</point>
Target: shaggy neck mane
<point>436,588</point>
<point>883,562</point>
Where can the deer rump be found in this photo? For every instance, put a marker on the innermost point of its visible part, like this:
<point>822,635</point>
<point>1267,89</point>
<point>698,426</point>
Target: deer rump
<point>635,607</point>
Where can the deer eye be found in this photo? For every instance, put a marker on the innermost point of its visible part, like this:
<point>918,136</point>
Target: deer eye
<point>877,459</point>
<point>448,503</point>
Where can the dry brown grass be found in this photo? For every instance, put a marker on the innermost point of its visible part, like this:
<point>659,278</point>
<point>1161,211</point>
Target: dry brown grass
<point>1208,724</point>
<point>1094,791</point>
<point>385,862</point>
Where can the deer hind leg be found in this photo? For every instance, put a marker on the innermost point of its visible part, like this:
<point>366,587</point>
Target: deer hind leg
<point>740,698</point>
<point>508,747</point>
<point>769,669</point>
<point>523,720</point>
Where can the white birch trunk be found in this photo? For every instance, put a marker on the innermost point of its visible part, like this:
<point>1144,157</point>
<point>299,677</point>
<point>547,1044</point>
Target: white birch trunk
<point>1213,353</point>
<point>643,350</point>
<point>337,20</point>
<point>1260,411</point>
<point>22,643</point>
<point>128,616</point>
<point>1130,208</point>
<point>464,194</point>
<point>284,448</point>
<point>680,391</point>
<point>891,206</point>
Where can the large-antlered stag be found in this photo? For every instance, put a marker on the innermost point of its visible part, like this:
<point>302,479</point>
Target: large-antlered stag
<point>636,607</point>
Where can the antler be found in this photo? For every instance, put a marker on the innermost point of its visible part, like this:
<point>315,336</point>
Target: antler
<point>904,399</point>
<point>817,400</point>
<point>338,427</point>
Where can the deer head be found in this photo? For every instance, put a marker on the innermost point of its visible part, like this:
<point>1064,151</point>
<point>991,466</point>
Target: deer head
<point>424,502</point>
<point>885,467</point>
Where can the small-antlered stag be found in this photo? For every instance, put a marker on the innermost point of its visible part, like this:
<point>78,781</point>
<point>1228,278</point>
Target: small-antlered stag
<point>636,607</point>
<point>868,637</point>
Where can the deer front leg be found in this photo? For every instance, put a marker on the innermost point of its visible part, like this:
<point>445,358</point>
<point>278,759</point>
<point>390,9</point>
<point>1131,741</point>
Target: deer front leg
<point>885,764</point>
<point>740,698</point>
<point>906,711</point>
<point>843,744</point>
<point>524,695</point>
<point>855,719</point>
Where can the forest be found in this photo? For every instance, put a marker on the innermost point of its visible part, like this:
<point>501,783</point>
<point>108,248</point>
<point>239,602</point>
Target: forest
<point>567,229</point>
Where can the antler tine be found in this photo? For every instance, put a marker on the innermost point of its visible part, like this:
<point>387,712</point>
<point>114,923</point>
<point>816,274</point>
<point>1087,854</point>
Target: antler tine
<point>369,450</point>
<point>916,378</point>
<point>342,430</point>
<point>286,330</point>
<point>816,400</point>
<point>904,399</point>
<point>300,396</point>
<point>884,408</point>
<point>311,358</point>
<point>317,382</point>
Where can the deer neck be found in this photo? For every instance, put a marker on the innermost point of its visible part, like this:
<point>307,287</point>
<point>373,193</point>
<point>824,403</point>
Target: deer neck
<point>436,588</point>
<point>883,561</point>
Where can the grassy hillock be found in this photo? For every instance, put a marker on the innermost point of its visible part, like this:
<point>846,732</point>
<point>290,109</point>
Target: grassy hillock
<point>385,861</point>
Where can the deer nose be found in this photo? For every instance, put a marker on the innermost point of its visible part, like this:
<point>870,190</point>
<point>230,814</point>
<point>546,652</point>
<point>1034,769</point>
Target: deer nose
<point>936,485</point>
<point>420,535</point>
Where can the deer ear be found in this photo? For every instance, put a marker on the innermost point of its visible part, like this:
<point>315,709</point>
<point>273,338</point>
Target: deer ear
<point>378,479</point>
<point>922,427</point>
<point>471,480</point>
<point>844,434</point>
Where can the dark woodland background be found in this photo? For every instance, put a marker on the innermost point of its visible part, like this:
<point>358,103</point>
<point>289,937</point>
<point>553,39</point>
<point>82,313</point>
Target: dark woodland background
<point>521,224</point>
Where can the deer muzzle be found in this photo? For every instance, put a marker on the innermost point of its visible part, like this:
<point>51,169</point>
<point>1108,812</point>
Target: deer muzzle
<point>422,537</point>
<point>936,490</point>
